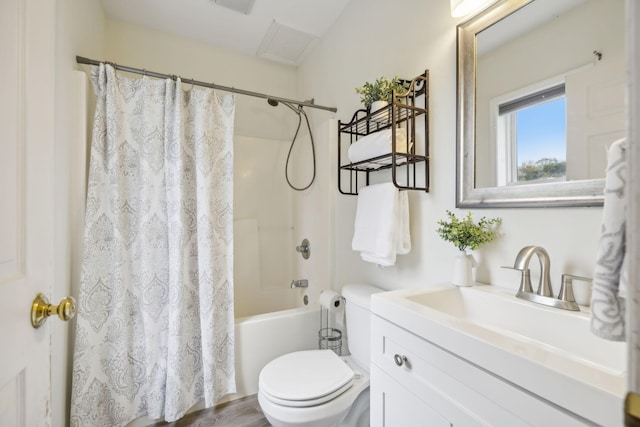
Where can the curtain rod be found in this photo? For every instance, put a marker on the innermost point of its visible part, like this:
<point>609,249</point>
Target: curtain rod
<point>310,104</point>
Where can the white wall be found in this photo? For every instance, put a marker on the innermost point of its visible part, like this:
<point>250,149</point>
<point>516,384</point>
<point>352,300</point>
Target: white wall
<point>263,228</point>
<point>79,31</point>
<point>313,208</point>
<point>377,37</point>
<point>164,53</point>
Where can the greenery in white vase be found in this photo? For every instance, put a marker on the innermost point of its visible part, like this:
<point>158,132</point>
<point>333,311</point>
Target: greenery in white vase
<point>380,90</point>
<point>465,233</point>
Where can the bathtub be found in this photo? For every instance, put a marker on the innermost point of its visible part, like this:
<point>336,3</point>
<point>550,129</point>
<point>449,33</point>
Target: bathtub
<point>263,337</point>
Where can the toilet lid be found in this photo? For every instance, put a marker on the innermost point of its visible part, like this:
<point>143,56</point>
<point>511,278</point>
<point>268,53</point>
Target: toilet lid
<point>305,378</point>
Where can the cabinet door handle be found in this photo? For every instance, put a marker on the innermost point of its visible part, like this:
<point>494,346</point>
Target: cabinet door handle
<point>400,360</point>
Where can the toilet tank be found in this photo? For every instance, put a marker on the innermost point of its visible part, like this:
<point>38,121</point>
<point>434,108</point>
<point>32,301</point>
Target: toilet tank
<point>358,319</point>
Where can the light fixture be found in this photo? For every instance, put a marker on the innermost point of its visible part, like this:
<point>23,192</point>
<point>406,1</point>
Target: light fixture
<point>467,7</point>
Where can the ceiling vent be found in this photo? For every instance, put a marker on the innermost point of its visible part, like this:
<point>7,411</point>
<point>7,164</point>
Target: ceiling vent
<point>242,6</point>
<point>285,44</point>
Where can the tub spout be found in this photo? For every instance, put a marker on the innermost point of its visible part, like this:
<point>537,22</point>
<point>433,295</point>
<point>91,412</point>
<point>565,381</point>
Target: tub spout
<point>302,283</point>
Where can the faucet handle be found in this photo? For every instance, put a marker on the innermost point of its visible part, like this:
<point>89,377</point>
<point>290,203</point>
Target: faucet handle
<point>566,288</point>
<point>302,283</point>
<point>525,280</point>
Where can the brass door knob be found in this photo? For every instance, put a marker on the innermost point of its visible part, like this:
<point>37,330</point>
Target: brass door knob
<point>41,309</point>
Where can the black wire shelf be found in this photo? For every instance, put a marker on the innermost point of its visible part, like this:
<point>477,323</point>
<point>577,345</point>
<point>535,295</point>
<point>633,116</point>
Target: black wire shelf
<point>402,113</point>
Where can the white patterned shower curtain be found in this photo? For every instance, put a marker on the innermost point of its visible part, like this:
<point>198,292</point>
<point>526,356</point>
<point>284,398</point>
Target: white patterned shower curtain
<point>155,311</point>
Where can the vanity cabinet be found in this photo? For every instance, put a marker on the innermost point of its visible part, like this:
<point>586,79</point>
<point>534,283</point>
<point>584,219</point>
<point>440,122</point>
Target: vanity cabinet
<point>408,161</point>
<point>415,382</point>
<point>394,405</point>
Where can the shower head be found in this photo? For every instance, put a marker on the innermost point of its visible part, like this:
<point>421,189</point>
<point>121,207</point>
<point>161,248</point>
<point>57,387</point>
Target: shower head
<point>275,103</point>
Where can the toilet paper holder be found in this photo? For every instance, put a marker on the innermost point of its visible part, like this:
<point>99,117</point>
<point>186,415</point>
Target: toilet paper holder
<point>329,336</point>
<point>330,339</point>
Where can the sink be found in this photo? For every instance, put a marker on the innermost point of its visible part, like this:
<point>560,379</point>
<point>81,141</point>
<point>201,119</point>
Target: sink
<point>555,329</point>
<point>547,351</point>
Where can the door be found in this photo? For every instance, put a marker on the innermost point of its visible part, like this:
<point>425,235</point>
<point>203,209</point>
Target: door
<point>596,117</point>
<point>27,36</point>
<point>632,407</point>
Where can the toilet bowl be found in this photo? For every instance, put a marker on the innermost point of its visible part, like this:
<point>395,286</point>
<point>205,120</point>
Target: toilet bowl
<point>312,388</point>
<point>317,388</point>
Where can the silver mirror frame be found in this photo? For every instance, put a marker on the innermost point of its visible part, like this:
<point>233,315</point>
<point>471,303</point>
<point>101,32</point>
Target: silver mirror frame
<point>558,194</point>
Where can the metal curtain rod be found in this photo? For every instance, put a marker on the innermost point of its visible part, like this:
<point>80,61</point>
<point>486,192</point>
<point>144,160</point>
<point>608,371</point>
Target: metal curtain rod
<point>82,60</point>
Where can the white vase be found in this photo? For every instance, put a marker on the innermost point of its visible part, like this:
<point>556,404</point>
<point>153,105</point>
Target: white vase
<point>376,105</point>
<point>463,269</point>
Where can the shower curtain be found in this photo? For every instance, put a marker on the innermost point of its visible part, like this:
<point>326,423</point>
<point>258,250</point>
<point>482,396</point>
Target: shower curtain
<point>155,316</point>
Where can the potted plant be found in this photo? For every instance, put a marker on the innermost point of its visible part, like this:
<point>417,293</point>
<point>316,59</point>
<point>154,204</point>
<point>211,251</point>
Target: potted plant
<point>378,94</point>
<point>466,234</point>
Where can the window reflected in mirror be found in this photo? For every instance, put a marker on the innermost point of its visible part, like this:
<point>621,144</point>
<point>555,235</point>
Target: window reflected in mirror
<point>531,136</point>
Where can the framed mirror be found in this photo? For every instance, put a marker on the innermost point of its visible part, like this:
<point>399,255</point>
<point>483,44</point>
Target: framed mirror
<point>541,97</point>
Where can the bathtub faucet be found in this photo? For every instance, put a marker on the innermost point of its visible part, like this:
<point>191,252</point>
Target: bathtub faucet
<point>302,283</point>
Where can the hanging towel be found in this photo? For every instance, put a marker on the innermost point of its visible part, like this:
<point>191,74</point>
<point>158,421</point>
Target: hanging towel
<point>610,278</point>
<point>381,228</point>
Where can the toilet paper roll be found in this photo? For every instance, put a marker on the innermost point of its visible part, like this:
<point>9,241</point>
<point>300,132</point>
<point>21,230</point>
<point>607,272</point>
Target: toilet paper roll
<point>330,300</point>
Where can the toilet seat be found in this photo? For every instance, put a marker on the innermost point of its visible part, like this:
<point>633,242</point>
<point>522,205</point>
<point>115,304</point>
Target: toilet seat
<point>306,403</point>
<point>305,378</point>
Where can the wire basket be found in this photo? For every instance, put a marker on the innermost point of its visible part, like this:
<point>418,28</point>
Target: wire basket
<point>330,339</point>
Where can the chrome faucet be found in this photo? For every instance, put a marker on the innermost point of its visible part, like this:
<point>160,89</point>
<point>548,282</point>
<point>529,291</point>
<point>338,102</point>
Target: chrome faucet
<point>302,283</point>
<point>522,263</point>
<point>544,293</point>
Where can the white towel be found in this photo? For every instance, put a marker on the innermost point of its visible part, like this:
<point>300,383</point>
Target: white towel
<point>609,277</point>
<point>377,144</point>
<point>381,228</point>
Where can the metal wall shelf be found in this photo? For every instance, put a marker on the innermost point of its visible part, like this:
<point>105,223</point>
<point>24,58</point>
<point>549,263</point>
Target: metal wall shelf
<point>403,112</point>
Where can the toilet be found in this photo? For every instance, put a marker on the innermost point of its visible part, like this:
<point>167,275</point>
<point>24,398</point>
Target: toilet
<point>317,388</point>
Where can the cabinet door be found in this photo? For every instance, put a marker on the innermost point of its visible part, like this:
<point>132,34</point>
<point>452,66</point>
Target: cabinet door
<point>392,405</point>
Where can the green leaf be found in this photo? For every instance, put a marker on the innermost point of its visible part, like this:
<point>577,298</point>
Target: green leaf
<point>465,233</point>
<point>380,90</point>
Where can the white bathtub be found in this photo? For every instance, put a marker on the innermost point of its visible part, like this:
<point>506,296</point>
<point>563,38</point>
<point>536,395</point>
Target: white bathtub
<point>262,337</point>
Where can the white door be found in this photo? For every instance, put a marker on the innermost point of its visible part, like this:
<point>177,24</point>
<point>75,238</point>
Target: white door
<point>596,117</point>
<point>633,216</point>
<point>27,35</point>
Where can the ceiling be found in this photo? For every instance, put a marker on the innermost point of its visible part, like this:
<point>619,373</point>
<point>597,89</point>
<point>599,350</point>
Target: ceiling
<point>279,30</point>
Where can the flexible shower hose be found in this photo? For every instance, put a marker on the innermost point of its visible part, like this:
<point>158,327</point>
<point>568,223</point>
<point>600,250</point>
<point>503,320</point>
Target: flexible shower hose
<point>301,112</point>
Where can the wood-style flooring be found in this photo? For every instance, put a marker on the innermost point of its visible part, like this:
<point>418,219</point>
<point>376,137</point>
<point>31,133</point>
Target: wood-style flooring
<point>243,412</point>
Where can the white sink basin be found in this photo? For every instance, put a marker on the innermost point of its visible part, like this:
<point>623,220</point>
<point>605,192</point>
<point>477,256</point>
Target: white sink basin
<point>557,330</point>
<point>547,351</point>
